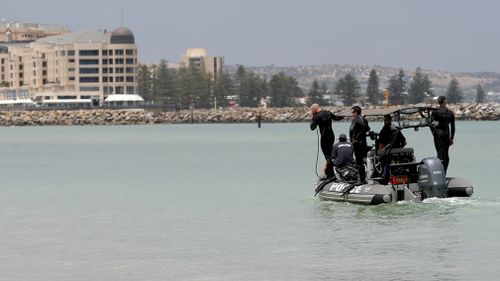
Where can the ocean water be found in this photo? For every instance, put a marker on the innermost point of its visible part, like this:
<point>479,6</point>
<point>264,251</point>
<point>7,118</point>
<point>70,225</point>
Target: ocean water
<point>230,202</point>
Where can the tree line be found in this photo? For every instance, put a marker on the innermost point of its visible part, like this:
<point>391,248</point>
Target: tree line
<point>401,89</point>
<point>187,86</point>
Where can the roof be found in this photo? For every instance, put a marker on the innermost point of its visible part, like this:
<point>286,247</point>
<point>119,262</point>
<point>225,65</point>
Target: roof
<point>123,97</point>
<point>88,36</point>
<point>17,101</point>
<point>122,35</point>
<point>13,25</point>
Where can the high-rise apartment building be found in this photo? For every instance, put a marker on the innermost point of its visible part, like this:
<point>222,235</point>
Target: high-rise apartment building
<point>78,67</point>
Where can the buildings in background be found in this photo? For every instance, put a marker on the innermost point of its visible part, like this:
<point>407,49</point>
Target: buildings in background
<point>198,58</point>
<point>83,67</point>
<point>19,32</point>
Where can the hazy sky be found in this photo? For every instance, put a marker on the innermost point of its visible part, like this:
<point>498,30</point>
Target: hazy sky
<point>454,35</point>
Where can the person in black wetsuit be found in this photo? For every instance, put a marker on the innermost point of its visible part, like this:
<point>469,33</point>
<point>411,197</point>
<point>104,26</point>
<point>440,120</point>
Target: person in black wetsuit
<point>357,133</point>
<point>386,138</point>
<point>388,133</point>
<point>323,120</point>
<point>443,120</point>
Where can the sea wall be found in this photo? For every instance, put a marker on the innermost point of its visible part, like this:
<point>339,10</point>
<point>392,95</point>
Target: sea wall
<point>487,111</point>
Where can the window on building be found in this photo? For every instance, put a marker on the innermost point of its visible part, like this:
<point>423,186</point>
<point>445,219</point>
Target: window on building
<point>66,97</point>
<point>105,79</point>
<point>71,69</point>
<point>71,78</point>
<point>119,52</point>
<point>110,52</point>
<point>104,52</point>
<point>88,61</point>
<point>119,70</point>
<point>118,61</point>
<point>71,53</point>
<point>107,90</point>
<point>21,75</point>
<point>130,79</point>
<point>119,90</point>
<point>129,52</point>
<point>44,72</point>
<point>44,64</point>
<point>130,90</point>
<point>89,70</point>
<point>129,70</point>
<point>93,79</point>
<point>104,61</point>
<point>120,79</point>
<point>86,53</point>
<point>21,67</point>
<point>89,89</point>
<point>130,61</point>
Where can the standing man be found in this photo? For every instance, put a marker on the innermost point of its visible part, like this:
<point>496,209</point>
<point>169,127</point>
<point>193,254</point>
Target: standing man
<point>259,116</point>
<point>323,120</point>
<point>443,119</point>
<point>357,133</point>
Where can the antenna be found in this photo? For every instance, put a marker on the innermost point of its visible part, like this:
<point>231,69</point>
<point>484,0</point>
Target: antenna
<point>122,17</point>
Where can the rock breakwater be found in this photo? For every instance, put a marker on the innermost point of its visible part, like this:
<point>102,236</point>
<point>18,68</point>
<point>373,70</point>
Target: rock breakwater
<point>487,111</point>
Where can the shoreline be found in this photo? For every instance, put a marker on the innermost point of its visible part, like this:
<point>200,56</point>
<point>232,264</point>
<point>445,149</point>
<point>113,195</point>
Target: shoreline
<point>477,112</point>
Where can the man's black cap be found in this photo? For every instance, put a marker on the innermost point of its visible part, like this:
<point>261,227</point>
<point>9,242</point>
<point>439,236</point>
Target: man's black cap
<point>441,99</point>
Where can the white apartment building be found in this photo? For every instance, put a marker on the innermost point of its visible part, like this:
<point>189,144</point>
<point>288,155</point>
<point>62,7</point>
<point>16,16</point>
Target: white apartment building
<point>79,67</point>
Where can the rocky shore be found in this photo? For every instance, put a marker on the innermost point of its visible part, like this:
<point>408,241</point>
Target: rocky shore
<point>486,111</point>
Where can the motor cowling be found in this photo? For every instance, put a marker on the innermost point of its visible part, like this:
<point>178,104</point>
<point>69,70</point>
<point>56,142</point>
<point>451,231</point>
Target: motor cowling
<point>432,178</point>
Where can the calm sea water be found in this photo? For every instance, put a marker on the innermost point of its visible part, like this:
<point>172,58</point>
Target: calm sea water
<point>229,202</point>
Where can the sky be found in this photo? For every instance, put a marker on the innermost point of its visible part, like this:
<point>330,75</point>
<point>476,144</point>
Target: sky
<point>452,35</point>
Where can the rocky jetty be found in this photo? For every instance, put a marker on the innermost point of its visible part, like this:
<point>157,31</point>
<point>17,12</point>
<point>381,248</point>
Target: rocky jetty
<point>486,111</point>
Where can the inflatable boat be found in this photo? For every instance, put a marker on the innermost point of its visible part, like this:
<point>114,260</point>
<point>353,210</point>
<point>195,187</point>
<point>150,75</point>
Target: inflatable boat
<point>406,179</point>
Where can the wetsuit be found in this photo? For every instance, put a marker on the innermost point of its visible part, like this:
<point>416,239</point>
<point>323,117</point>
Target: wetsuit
<point>323,120</point>
<point>387,135</point>
<point>357,133</point>
<point>442,135</point>
<point>342,154</point>
<point>386,138</point>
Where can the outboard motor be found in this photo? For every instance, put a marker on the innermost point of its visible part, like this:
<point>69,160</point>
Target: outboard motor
<point>431,178</point>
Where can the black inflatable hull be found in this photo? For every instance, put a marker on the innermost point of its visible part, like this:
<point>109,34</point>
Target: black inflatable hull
<point>374,193</point>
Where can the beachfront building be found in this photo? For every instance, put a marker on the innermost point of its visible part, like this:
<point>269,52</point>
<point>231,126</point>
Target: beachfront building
<point>18,32</point>
<point>82,68</point>
<point>198,58</point>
